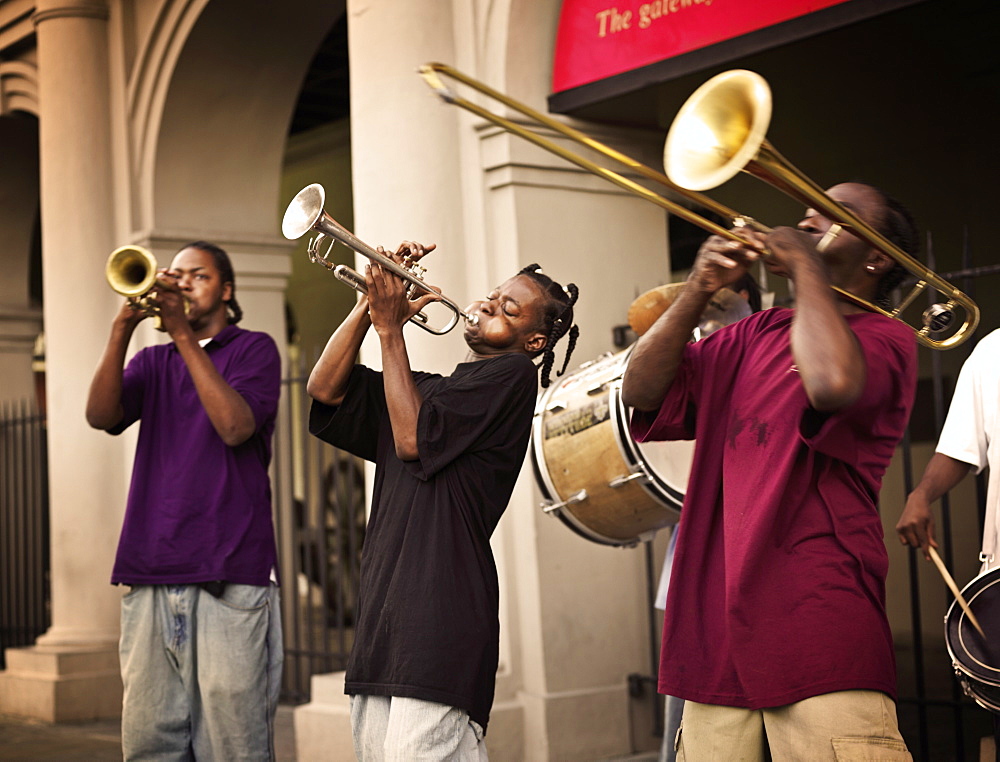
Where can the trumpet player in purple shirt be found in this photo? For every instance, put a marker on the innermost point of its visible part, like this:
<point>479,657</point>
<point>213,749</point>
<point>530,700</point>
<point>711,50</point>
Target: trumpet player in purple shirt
<point>201,647</point>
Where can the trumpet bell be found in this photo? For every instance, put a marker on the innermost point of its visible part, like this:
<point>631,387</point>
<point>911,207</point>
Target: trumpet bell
<point>718,130</point>
<point>306,212</point>
<point>131,271</point>
<point>303,211</point>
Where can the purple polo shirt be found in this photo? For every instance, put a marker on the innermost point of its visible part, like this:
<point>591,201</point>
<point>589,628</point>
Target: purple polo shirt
<point>198,510</point>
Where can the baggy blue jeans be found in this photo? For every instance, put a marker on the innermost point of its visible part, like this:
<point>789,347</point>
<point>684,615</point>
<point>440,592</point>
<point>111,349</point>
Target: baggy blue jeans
<point>202,674</point>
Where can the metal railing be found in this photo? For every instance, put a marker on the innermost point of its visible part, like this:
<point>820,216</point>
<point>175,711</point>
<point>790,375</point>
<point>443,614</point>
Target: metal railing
<point>320,500</point>
<point>937,720</point>
<point>24,526</point>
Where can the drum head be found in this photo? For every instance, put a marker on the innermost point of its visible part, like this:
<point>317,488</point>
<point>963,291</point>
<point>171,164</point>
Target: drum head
<point>669,464</point>
<point>593,475</point>
<point>725,307</point>
<point>977,658</point>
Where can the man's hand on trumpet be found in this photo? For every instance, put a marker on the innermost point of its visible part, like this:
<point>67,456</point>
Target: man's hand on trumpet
<point>131,313</point>
<point>409,252</point>
<point>170,302</point>
<point>391,301</point>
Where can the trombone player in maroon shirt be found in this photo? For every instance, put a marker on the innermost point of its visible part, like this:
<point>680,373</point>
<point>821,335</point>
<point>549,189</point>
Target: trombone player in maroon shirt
<point>775,631</point>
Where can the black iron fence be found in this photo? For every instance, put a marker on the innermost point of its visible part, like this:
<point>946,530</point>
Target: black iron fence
<point>320,501</point>
<point>24,526</point>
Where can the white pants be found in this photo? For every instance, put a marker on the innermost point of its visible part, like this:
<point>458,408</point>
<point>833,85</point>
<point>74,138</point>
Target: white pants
<point>393,729</point>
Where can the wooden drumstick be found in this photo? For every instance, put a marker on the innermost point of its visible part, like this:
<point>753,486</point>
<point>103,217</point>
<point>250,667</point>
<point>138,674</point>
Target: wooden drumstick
<point>954,589</point>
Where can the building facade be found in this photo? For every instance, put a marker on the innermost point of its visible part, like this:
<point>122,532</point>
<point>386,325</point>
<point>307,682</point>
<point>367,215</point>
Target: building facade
<point>158,122</point>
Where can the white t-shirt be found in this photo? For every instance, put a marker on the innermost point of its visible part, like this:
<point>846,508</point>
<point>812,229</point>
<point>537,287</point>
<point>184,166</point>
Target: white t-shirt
<point>971,431</point>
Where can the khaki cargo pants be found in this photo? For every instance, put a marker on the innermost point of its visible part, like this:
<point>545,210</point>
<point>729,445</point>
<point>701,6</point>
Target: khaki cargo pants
<point>846,726</point>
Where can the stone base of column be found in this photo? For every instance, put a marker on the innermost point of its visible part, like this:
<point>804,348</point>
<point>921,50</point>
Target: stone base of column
<point>62,683</point>
<point>584,724</point>
<point>323,726</point>
<point>505,735</point>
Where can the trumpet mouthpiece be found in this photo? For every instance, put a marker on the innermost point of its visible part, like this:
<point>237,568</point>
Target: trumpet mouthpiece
<point>471,319</point>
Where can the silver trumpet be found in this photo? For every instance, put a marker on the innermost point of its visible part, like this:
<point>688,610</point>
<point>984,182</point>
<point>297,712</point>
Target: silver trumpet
<point>306,212</point>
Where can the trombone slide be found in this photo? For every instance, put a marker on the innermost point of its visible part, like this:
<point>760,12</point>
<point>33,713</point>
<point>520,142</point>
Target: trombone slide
<point>718,133</point>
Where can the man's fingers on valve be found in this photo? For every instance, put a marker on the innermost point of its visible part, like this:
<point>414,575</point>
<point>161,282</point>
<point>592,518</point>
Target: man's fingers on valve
<point>423,300</point>
<point>414,251</point>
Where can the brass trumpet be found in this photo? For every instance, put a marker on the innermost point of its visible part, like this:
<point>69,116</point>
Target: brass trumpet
<point>306,212</point>
<point>717,133</point>
<point>131,271</point>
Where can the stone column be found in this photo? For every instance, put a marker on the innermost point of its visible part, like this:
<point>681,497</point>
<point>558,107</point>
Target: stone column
<point>72,671</point>
<point>407,185</point>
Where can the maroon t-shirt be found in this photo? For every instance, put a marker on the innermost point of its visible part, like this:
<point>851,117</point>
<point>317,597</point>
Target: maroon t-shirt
<point>778,585</point>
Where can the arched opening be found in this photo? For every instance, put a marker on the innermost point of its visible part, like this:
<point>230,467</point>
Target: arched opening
<point>21,286</point>
<point>248,107</point>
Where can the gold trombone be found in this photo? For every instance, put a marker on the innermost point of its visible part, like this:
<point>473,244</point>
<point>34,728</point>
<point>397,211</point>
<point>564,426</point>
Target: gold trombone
<point>717,133</point>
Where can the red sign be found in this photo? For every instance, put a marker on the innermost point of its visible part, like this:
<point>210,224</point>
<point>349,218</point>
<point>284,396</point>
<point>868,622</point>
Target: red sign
<point>602,38</point>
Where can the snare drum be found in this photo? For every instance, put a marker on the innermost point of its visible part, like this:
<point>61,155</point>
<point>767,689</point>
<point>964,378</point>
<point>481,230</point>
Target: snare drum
<point>594,476</point>
<point>977,661</point>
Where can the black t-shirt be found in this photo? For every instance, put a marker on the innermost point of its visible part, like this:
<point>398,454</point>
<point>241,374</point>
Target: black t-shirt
<point>427,624</point>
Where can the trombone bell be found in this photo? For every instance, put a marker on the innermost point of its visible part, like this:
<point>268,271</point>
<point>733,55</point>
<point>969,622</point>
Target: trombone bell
<point>718,130</point>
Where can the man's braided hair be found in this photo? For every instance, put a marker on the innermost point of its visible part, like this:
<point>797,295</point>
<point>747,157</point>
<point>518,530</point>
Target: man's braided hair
<point>226,274</point>
<point>557,320</point>
<point>900,229</point>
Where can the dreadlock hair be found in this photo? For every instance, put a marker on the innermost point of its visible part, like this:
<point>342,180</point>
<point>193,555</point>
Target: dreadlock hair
<point>557,319</point>
<point>226,274</point>
<point>900,229</point>
<point>749,284</point>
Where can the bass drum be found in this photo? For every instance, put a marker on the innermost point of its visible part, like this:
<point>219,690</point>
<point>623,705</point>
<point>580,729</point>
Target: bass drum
<point>594,476</point>
<point>977,661</point>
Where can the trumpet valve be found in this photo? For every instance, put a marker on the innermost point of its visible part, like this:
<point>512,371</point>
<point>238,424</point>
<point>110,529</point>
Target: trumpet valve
<point>312,249</point>
<point>417,271</point>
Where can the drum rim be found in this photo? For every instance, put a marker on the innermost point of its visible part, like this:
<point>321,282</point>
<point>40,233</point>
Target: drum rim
<point>976,696</point>
<point>669,499</point>
<point>632,455</point>
<point>954,616</point>
<point>544,480</point>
